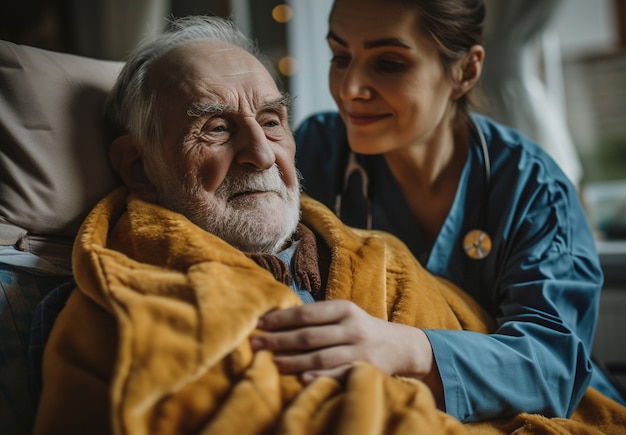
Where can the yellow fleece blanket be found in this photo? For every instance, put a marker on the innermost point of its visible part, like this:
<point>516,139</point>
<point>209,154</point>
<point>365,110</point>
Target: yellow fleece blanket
<point>155,338</point>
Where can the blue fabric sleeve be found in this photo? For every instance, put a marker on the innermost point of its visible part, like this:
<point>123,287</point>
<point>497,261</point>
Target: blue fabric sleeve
<point>546,292</point>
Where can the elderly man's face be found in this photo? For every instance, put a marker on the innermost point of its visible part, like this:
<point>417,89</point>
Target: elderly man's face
<point>227,158</point>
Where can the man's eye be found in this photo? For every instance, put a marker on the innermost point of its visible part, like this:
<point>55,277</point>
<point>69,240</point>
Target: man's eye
<point>270,120</point>
<point>216,125</point>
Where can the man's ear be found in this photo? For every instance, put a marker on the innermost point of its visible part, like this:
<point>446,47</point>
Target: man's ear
<point>468,71</point>
<point>129,165</point>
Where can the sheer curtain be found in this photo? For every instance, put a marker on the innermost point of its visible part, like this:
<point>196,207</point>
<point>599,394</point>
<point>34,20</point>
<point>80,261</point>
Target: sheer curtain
<point>306,40</point>
<point>522,76</point>
<point>109,29</point>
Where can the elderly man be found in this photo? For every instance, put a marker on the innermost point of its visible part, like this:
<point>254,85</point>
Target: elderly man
<point>188,315</point>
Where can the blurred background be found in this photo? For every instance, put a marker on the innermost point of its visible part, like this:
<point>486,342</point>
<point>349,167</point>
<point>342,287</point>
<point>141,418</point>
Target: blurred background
<point>555,69</point>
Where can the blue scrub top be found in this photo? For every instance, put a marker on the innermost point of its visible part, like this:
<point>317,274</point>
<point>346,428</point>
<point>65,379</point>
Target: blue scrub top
<point>541,281</point>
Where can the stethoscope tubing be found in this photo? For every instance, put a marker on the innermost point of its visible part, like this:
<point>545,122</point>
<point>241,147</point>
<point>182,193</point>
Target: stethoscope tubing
<point>351,167</point>
<point>476,243</point>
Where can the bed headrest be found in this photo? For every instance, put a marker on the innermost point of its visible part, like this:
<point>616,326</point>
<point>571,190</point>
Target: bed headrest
<point>53,151</point>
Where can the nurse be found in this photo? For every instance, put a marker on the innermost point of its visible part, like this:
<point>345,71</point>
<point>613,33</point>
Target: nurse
<point>476,202</point>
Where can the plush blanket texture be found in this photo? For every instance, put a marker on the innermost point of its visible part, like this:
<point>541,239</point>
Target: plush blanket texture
<point>155,338</point>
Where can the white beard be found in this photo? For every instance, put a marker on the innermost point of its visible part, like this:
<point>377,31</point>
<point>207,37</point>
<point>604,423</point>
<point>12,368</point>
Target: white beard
<point>260,223</point>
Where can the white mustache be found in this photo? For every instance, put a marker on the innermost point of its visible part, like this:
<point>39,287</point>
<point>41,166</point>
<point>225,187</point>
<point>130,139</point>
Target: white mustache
<point>239,181</point>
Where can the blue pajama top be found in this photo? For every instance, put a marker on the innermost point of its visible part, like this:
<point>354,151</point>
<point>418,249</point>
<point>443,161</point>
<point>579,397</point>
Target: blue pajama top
<point>541,281</point>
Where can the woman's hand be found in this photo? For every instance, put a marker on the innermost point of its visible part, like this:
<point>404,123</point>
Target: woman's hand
<point>326,338</point>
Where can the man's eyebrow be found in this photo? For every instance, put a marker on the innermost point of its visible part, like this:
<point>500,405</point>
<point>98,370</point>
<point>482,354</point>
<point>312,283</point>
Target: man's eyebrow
<point>383,42</point>
<point>283,102</point>
<point>198,109</point>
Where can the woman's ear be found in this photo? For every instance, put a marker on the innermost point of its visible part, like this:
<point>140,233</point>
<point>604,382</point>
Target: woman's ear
<point>469,70</point>
<point>128,164</point>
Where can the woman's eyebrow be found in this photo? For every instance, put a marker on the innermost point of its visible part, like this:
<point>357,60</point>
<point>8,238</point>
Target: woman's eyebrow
<point>383,42</point>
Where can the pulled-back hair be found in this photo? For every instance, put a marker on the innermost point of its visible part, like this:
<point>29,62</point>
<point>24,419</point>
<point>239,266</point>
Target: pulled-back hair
<point>453,26</point>
<point>130,106</point>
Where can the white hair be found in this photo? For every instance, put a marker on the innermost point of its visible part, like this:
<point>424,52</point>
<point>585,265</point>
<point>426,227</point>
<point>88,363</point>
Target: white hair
<point>130,106</point>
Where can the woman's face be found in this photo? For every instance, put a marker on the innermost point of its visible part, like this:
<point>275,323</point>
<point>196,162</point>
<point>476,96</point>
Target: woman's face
<point>386,77</point>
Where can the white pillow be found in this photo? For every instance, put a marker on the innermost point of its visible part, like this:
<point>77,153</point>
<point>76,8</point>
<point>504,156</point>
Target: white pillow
<point>53,144</point>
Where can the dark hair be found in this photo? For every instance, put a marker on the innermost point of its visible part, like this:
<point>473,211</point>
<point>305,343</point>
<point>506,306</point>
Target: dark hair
<point>453,26</point>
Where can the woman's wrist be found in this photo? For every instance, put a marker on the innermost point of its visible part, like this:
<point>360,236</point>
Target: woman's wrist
<point>422,364</point>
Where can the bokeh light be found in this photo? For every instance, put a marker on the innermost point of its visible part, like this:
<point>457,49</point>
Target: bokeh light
<point>288,65</point>
<point>282,13</point>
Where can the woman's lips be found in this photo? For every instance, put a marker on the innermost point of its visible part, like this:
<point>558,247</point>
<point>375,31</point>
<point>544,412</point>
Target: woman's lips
<point>364,118</point>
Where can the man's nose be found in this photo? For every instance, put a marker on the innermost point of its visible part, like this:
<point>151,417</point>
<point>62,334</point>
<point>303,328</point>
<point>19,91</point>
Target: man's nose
<point>254,149</point>
<point>355,84</point>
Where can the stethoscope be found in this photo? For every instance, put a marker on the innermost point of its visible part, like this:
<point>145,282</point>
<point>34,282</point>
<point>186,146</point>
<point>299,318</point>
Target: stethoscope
<point>476,243</point>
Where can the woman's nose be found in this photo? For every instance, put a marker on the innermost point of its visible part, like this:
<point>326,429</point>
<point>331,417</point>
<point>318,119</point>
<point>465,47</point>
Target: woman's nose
<point>254,148</point>
<point>355,84</point>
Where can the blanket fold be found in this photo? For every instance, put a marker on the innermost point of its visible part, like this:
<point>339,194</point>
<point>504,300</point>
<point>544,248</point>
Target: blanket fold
<point>155,340</point>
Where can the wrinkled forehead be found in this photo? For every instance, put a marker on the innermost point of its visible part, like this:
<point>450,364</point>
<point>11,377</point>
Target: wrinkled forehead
<point>199,66</point>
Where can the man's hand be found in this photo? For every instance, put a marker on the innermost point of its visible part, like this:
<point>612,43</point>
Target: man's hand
<point>326,338</point>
